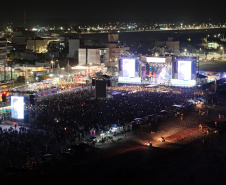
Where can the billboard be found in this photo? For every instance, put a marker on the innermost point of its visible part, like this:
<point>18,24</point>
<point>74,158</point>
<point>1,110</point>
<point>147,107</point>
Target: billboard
<point>17,107</point>
<point>156,59</point>
<point>128,67</point>
<point>184,70</point>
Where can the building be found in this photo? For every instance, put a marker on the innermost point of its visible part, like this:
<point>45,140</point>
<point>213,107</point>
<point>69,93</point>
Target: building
<point>93,56</point>
<point>74,45</point>
<point>31,71</point>
<point>18,38</point>
<point>3,51</point>
<point>37,45</point>
<point>113,38</point>
<point>116,50</point>
<point>171,46</point>
<point>107,55</point>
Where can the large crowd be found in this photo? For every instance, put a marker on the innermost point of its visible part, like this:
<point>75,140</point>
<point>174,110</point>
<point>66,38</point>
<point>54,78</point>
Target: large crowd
<point>65,119</point>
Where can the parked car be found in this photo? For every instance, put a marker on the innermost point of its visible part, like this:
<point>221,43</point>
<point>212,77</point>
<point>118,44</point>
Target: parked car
<point>161,139</point>
<point>148,143</point>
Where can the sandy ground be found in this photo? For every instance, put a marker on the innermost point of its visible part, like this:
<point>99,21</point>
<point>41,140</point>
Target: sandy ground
<point>189,155</point>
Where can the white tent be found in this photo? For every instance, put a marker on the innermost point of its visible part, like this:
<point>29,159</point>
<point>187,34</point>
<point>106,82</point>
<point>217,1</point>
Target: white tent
<point>87,78</point>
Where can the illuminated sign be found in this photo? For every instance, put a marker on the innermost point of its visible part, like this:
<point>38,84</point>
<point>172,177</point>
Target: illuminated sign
<point>129,67</point>
<point>184,70</point>
<point>17,107</point>
<point>156,59</point>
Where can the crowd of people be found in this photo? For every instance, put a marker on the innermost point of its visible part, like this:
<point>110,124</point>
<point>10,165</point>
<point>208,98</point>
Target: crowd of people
<point>65,119</point>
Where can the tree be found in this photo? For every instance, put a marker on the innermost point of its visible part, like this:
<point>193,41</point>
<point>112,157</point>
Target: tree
<point>53,47</point>
<point>15,56</point>
<point>96,42</point>
<point>43,77</point>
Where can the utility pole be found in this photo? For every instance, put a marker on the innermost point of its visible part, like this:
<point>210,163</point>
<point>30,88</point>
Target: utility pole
<point>29,112</point>
<point>86,54</point>
<point>25,74</point>
<point>68,70</point>
<point>197,61</point>
<point>36,107</point>
<point>11,70</point>
<point>24,19</point>
<point>6,57</point>
<point>68,67</point>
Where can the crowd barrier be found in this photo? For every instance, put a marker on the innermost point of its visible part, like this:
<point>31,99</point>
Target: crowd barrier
<point>53,91</point>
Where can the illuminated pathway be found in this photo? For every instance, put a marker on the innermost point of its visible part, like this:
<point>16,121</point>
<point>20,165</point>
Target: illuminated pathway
<point>136,146</point>
<point>183,135</point>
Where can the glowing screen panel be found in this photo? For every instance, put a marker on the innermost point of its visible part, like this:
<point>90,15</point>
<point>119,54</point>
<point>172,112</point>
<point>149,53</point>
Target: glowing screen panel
<point>17,107</point>
<point>184,70</point>
<point>129,67</point>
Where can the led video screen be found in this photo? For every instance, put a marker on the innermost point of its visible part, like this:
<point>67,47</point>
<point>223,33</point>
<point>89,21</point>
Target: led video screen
<point>17,107</point>
<point>129,67</point>
<point>161,74</point>
<point>184,70</point>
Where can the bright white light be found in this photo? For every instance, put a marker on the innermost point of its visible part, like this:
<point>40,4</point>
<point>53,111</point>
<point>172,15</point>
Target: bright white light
<point>184,70</point>
<point>156,59</point>
<point>17,104</point>
<point>128,67</point>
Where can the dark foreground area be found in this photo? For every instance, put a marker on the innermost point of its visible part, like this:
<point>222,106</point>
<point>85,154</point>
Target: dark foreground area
<point>185,162</point>
<point>196,163</point>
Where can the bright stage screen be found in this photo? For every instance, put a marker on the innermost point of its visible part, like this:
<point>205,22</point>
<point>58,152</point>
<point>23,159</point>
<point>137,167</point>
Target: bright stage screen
<point>160,74</point>
<point>17,107</point>
<point>184,70</point>
<point>128,67</point>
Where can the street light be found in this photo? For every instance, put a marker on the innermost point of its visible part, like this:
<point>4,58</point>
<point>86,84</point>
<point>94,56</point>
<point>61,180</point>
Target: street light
<point>222,48</point>
<point>52,65</point>
<point>185,50</point>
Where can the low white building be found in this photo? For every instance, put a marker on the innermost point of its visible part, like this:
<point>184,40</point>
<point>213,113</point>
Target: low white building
<point>74,45</point>
<point>93,56</point>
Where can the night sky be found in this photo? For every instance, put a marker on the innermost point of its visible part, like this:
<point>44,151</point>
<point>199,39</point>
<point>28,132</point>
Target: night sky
<point>74,12</point>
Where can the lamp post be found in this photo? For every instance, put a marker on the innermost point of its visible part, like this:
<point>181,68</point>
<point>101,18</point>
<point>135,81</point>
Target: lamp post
<point>25,74</point>
<point>52,65</point>
<point>222,48</point>
<point>185,51</point>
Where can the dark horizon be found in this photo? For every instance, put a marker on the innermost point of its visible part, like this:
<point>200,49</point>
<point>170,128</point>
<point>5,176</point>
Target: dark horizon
<point>46,12</point>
